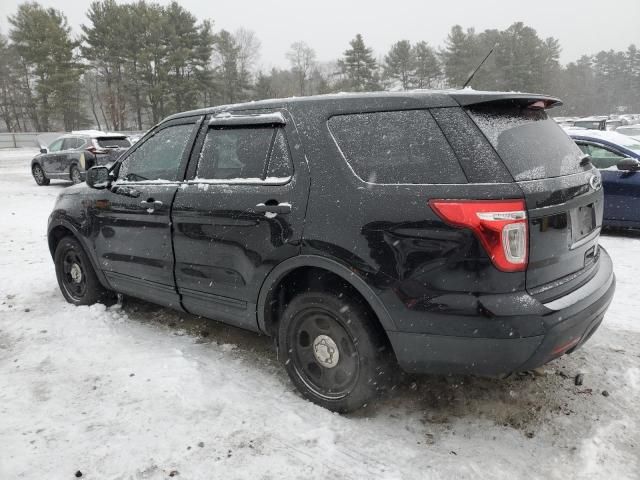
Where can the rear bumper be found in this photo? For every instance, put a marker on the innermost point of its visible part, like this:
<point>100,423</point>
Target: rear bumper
<point>568,322</point>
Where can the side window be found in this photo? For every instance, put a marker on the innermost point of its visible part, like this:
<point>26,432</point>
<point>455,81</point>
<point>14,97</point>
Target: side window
<point>584,148</point>
<point>71,143</point>
<point>242,153</point>
<point>396,147</point>
<point>159,157</point>
<point>56,146</point>
<point>603,158</point>
<point>280,166</point>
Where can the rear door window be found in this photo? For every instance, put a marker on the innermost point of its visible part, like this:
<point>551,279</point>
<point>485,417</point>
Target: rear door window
<point>531,145</point>
<point>248,154</point>
<point>396,147</point>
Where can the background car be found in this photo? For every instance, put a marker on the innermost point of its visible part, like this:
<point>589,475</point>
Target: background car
<point>591,123</point>
<point>630,130</point>
<point>618,158</point>
<point>69,156</point>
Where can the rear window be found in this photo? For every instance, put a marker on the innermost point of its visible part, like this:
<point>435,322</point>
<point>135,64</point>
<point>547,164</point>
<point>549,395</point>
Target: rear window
<point>120,142</point>
<point>396,147</point>
<point>531,144</point>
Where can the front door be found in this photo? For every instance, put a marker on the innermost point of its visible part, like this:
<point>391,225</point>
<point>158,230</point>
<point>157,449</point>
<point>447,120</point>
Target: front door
<point>133,230</point>
<point>50,160</point>
<point>240,213</point>
<point>621,188</point>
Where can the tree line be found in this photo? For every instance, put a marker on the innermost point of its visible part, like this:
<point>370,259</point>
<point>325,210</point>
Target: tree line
<point>133,64</point>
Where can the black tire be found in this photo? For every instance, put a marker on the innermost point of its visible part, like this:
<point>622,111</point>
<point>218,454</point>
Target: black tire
<point>76,278</point>
<point>361,368</point>
<point>39,176</point>
<point>75,175</point>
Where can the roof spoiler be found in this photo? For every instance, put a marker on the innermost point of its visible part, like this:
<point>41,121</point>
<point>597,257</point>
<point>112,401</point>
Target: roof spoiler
<point>522,99</point>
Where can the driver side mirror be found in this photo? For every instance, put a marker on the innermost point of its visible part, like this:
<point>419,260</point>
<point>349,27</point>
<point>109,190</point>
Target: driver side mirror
<point>628,165</point>
<point>44,150</point>
<point>98,177</point>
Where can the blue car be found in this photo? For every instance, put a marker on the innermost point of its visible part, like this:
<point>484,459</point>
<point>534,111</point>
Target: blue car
<point>618,159</point>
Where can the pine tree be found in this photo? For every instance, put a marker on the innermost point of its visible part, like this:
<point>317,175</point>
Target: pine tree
<point>400,64</point>
<point>42,40</point>
<point>427,68</point>
<point>104,45</point>
<point>458,55</point>
<point>359,67</point>
<point>228,72</point>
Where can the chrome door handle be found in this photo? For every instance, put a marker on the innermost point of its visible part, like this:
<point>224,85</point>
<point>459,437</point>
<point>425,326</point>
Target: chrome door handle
<point>151,204</point>
<point>273,208</point>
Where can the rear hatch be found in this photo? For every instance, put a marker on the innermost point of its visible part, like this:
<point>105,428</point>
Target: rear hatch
<point>561,189</point>
<point>109,148</point>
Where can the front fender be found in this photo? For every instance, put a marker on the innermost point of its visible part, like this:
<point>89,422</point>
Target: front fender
<point>59,219</point>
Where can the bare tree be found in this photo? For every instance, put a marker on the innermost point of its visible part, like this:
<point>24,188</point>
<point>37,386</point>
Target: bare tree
<point>303,59</point>
<point>248,51</point>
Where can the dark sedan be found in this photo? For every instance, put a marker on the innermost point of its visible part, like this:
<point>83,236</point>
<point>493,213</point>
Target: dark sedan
<point>70,156</point>
<point>618,158</point>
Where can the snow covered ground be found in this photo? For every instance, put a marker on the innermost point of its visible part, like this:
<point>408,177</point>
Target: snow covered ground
<point>143,392</point>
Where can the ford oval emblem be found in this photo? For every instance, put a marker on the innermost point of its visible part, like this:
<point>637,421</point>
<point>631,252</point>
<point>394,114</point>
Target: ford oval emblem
<point>595,182</point>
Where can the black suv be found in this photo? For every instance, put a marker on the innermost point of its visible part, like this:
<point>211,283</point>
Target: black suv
<point>450,232</point>
<point>69,156</point>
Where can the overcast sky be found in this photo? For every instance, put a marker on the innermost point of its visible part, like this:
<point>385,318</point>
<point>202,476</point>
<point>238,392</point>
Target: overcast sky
<point>584,26</point>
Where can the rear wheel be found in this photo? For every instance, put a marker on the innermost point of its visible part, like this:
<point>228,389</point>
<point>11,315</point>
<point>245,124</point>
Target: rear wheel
<point>39,176</point>
<point>333,351</point>
<point>75,175</point>
<point>77,279</point>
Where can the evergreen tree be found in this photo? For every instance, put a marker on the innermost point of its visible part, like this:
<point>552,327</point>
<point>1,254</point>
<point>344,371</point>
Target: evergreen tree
<point>227,54</point>
<point>400,64</point>
<point>105,43</point>
<point>458,55</point>
<point>427,68</point>
<point>42,40</point>
<point>359,67</point>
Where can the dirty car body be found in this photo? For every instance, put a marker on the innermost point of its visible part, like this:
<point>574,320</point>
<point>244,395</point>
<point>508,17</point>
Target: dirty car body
<point>464,225</point>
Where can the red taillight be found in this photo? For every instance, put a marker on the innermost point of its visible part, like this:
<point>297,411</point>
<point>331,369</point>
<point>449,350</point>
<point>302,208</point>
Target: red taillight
<point>500,225</point>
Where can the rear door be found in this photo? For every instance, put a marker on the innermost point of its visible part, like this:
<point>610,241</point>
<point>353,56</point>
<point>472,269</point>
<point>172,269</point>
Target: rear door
<point>562,191</point>
<point>240,213</point>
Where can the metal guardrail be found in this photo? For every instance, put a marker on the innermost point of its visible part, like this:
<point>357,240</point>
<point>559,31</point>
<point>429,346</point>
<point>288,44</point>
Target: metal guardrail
<point>35,139</point>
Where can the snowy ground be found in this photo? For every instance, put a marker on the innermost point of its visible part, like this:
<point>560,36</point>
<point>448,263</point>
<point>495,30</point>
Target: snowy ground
<point>145,392</point>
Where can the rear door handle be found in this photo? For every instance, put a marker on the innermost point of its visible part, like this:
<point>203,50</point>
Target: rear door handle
<point>273,208</point>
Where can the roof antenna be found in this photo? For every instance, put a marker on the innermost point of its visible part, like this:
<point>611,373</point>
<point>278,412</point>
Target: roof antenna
<point>478,67</point>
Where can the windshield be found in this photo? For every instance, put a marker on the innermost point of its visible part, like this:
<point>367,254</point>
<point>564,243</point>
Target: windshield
<point>531,144</point>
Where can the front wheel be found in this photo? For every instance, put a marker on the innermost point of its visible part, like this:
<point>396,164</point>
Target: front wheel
<point>77,279</point>
<point>39,176</point>
<point>333,350</point>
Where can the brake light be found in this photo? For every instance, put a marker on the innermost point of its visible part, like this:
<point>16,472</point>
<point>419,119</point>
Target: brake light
<point>500,226</point>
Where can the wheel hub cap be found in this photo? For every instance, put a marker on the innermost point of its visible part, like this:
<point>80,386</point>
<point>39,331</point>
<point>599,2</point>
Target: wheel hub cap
<point>326,351</point>
<point>76,273</point>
